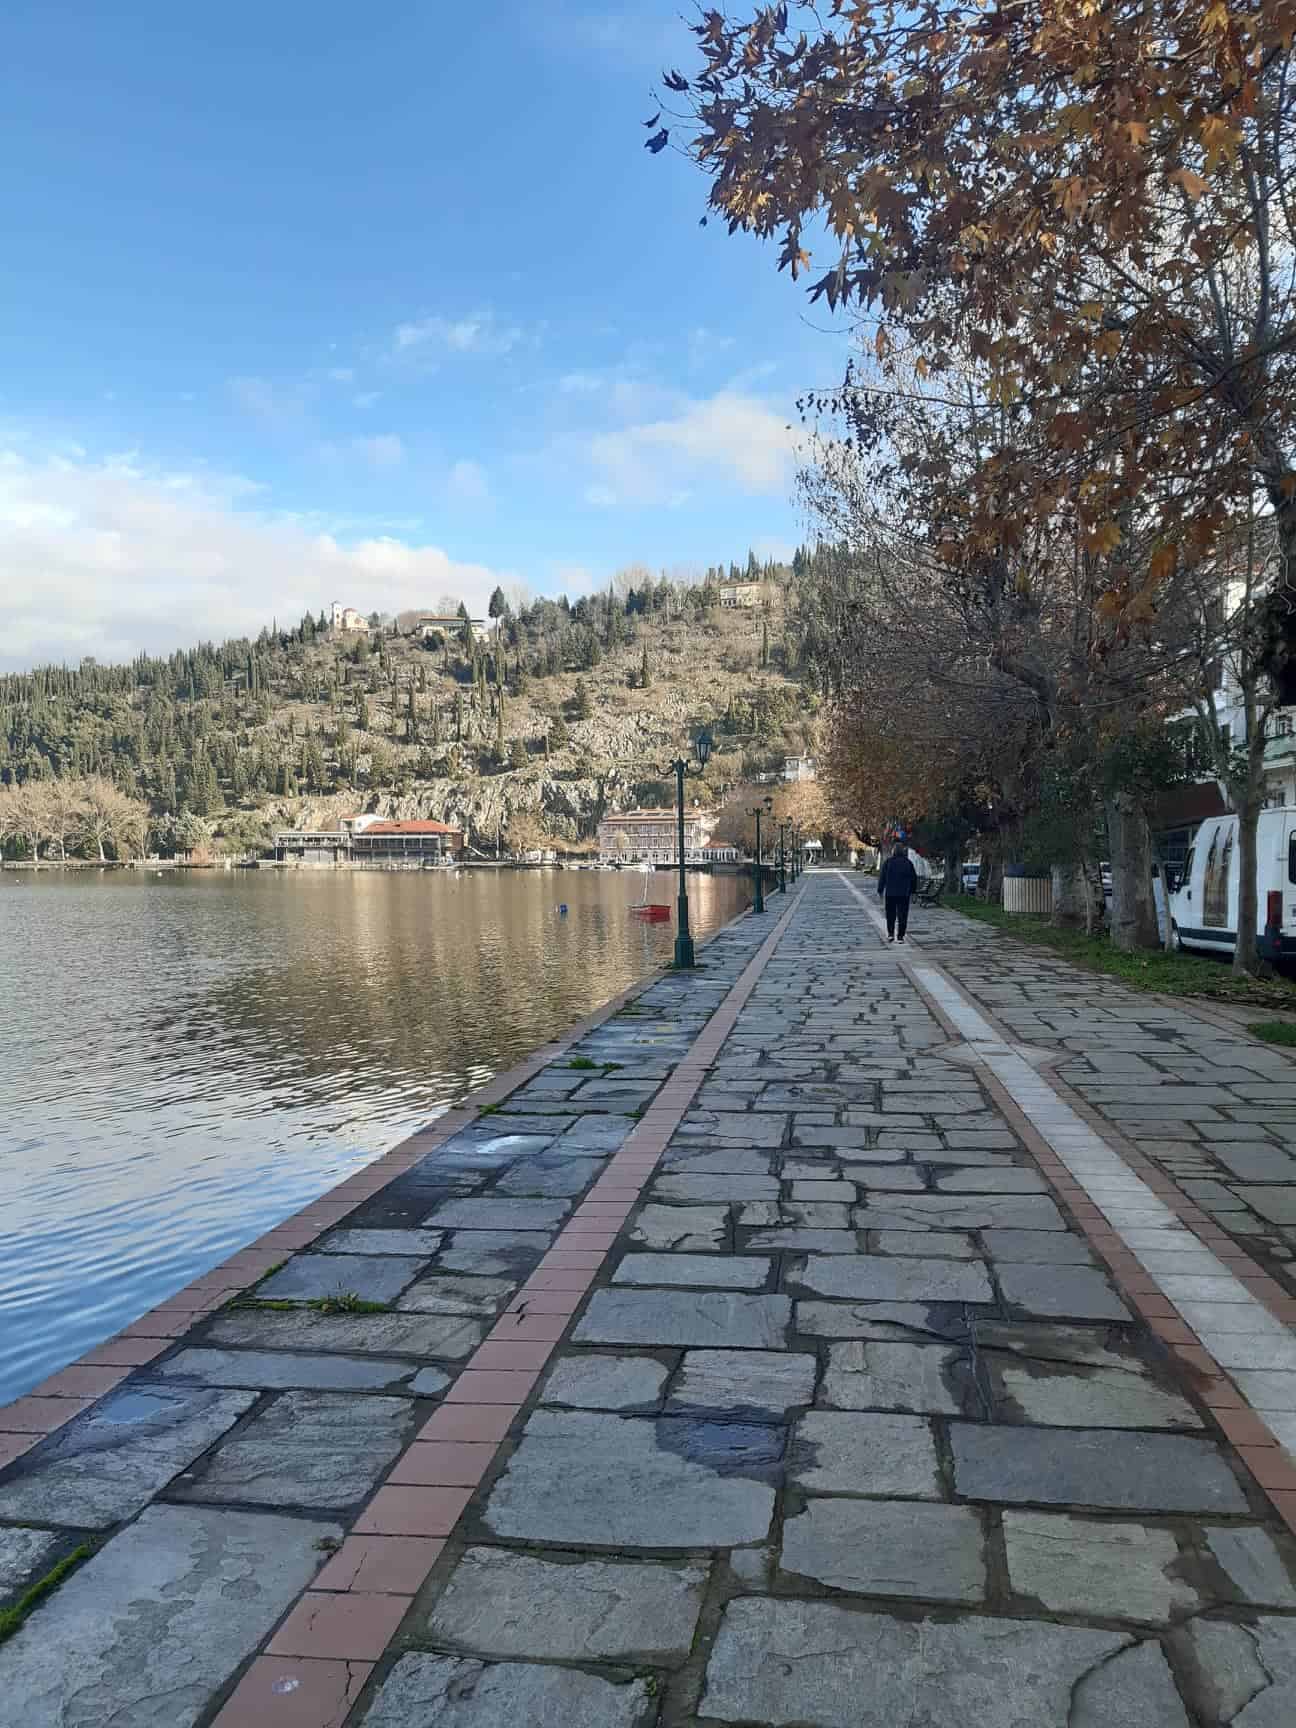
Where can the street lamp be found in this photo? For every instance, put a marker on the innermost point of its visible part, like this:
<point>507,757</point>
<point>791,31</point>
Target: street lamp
<point>684,952</point>
<point>783,828</point>
<point>758,810</point>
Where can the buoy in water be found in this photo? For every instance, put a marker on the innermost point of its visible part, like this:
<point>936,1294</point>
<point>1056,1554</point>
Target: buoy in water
<point>562,909</point>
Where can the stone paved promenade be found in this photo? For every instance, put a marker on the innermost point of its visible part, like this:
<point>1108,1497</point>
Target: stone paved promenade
<point>843,1337</point>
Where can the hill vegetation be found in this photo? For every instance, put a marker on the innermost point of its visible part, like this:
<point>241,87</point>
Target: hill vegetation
<point>566,710</point>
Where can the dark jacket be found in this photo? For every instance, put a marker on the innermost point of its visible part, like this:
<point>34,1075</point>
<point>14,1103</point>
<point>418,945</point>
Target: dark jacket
<point>897,878</point>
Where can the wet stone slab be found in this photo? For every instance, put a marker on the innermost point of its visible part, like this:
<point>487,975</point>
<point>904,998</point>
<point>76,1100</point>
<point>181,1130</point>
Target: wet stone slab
<point>889,1548</point>
<point>1036,1247</point>
<point>1248,1672</point>
<point>1064,1292</point>
<point>824,1666</point>
<point>742,1384</point>
<point>681,1229</point>
<point>882,1278</point>
<point>832,1452</point>
<point>417,1244</point>
<point>919,1378</point>
<point>488,1214</point>
<point>1254,1565</point>
<point>499,1603</point>
<point>302,1329</point>
<point>606,1382</point>
<point>311,1277</point>
<point>691,1189</point>
<point>455,1692</point>
<point>1099,1467</point>
<point>24,1556</point>
<point>307,1449</point>
<point>549,1175</point>
<point>495,1253</point>
<point>145,1631</point>
<point>1055,1396</point>
<point>718,1271</point>
<point>959,1212</point>
<point>926,1245</point>
<point>691,1319</point>
<point>108,1463</point>
<point>453,1293</point>
<point>1114,1571</point>
<point>275,1371</point>
<point>635,1482</point>
<point>915,1322</point>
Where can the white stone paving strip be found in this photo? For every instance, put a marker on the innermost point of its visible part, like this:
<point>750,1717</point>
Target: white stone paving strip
<point>1256,1348</point>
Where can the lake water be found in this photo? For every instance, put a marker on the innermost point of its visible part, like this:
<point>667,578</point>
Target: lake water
<point>186,1059</point>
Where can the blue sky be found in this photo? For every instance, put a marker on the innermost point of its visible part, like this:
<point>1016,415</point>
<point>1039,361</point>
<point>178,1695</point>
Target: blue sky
<point>316,301</point>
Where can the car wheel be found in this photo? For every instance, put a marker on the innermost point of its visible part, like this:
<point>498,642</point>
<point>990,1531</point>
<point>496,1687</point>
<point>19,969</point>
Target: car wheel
<point>1176,946</point>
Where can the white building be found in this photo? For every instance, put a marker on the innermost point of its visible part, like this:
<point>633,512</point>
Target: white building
<point>652,837</point>
<point>347,618</point>
<point>437,626</point>
<point>799,768</point>
<point>742,594</point>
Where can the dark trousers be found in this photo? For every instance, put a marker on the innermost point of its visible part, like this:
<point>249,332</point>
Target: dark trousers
<point>897,913</point>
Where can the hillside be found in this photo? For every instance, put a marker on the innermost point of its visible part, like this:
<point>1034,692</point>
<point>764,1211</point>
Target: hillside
<point>567,712</point>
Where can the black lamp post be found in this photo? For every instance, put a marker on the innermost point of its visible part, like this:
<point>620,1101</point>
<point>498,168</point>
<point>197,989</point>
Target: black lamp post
<point>783,828</point>
<point>758,810</point>
<point>798,862</point>
<point>684,952</point>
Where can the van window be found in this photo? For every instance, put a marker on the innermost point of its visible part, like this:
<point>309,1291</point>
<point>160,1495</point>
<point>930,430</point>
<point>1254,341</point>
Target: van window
<point>1291,857</point>
<point>1185,880</point>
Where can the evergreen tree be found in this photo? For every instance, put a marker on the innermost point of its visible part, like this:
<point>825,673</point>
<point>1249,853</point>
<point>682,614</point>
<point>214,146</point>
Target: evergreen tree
<point>764,655</point>
<point>645,671</point>
<point>498,604</point>
<point>411,719</point>
<point>459,716</point>
<point>584,707</point>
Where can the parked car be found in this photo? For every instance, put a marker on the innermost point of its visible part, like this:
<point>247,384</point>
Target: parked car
<point>1204,907</point>
<point>971,876</point>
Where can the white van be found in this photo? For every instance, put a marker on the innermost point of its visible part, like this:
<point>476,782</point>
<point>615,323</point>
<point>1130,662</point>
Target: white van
<point>1204,907</point>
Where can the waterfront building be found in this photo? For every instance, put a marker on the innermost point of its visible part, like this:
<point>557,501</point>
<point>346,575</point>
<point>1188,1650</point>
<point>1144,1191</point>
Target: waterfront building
<point>651,837</point>
<point>369,840</point>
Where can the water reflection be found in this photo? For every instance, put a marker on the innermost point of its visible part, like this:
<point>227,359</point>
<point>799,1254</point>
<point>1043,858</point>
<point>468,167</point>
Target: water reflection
<point>186,1059</point>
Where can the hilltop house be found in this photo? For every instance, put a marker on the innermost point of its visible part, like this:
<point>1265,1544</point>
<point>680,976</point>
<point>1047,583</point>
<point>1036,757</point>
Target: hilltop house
<point>799,768</point>
<point>741,594</point>
<point>433,627</point>
<point>347,618</point>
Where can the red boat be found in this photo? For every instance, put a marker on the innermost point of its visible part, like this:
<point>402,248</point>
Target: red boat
<point>651,913</point>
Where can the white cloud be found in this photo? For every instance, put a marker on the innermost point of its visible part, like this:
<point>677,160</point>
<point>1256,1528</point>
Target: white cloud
<point>262,400</point>
<point>601,497</point>
<point>341,374</point>
<point>737,437</point>
<point>109,557</point>
<point>467,480</point>
<point>367,398</point>
<point>481,333</point>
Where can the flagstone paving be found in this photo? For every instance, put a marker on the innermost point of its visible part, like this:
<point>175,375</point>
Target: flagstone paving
<point>779,1374</point>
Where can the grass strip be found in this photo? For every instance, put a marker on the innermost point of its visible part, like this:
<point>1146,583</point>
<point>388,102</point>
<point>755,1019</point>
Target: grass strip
<point>12,1618</point>
<point>1186,975</point>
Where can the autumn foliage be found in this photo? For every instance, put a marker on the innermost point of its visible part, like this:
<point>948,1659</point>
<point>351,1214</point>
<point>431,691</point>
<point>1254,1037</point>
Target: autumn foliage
<point>1076,216</point>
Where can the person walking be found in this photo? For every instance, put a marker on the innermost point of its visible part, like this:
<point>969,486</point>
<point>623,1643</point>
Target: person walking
<point>897,880</point>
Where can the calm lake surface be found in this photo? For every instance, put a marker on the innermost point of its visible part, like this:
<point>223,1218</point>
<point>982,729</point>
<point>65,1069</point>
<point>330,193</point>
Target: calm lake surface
<point>186,1059</point>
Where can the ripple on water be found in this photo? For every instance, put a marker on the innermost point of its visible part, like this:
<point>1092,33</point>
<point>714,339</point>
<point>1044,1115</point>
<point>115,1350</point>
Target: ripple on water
<point>196,1056</point>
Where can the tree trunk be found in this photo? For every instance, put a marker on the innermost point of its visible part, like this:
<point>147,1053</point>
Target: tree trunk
<point>1070,895</point>
<point>990,878</point>
<point>954,869</point>
<point>1133,916</point>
